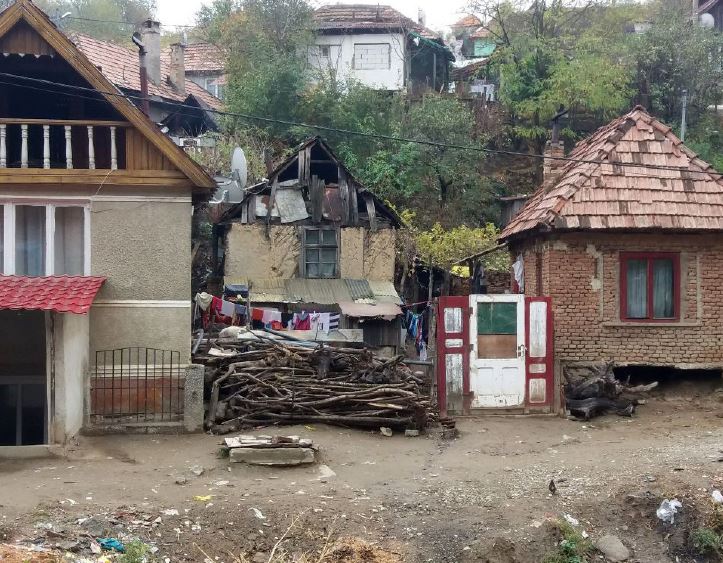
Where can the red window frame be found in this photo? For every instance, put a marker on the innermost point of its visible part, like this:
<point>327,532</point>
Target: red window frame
<point>650,257</point>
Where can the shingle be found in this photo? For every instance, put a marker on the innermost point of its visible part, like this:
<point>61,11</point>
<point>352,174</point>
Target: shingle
<point>62,294</point>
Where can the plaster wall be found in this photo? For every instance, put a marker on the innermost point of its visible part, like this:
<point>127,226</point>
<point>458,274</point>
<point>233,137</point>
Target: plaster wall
<point>341,59</point>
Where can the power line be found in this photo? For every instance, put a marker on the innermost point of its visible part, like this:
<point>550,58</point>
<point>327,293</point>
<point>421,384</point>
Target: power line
<point>350,132</point>
<point>118,22</point>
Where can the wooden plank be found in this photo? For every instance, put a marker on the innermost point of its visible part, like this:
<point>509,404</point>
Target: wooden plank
<point>344,195</point>
<point>23,39</point>
<point>316,195</point>
<point>71,122</point>
<point>80,177</point>
<point>353,205</point>
<point>371,211</point>
<point>270,208</point>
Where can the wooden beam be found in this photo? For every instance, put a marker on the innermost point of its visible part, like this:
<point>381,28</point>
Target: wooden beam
<point>151,178</point>
<point>71,122</point>
<point>371,211</point>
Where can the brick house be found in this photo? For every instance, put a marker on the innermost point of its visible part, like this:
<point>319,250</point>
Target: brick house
<point>631,256</point>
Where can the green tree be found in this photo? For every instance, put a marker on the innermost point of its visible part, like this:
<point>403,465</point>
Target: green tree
<point>119,18</point>
<point>673,55</point>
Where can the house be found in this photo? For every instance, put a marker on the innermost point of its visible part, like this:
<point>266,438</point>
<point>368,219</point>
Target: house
<point>380,47</point>
<point>167,84</point>
<point>205,65</point>
<point>473,44</point>
<point>327,246</point>
<point>627,241</point>
<point>95,245</point>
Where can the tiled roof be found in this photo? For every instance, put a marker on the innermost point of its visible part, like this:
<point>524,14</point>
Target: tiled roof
<point>687,194</point>
<point>468,21</point>
<point>62,294</point>
<point>122,67</point>
<point>204,57</point>
<point>350,17</point>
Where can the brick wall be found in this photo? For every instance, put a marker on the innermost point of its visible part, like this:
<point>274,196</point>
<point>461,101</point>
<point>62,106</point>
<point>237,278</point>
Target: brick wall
<point>581,272</point>
<point>372,56</point>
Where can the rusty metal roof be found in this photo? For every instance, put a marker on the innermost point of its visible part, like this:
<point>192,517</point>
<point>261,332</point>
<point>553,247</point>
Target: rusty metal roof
<point>367,17</point>
<point>687,194</point>
<point>320,291</point>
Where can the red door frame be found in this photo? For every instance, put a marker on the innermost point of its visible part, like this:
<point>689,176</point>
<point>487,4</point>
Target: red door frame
<point>547,360</point>
<point>443,339</point>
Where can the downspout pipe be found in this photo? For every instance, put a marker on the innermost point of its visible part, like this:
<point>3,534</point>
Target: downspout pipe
<point>145,103</point>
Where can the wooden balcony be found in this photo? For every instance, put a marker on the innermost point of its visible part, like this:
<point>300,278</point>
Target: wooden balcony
<point>62,144</point>
<point>47,151</point>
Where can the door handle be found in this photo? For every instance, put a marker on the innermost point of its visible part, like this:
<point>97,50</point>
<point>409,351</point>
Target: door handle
<point>521,351</point>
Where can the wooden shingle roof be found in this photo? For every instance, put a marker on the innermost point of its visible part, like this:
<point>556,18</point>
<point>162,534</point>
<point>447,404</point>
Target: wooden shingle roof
<point>682,193</point>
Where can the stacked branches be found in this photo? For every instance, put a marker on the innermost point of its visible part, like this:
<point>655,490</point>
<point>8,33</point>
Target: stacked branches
<point>265,382</point>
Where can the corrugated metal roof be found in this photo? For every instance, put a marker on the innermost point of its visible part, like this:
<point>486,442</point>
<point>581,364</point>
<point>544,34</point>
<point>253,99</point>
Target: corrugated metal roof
<point>687,195</point>
<point>321,292</point>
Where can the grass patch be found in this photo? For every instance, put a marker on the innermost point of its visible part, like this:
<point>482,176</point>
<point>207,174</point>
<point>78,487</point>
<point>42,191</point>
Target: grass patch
<point>707,542</point>
<point>137,552</point>
<point>572,548</point>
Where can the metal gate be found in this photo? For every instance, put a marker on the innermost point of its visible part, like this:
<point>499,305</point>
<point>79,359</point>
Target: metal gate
<point>136,385</point>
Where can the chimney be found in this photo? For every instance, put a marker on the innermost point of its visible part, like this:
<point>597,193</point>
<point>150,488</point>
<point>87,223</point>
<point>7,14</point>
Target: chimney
<point>554,149</point>
<point>421,17</point>
<point>178,67</point>
<point>151,37</point>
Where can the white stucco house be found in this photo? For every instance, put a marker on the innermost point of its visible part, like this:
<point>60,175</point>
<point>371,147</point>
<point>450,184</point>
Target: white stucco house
<point>379,47</point>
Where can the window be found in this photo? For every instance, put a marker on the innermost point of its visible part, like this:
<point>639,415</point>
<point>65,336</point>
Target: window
<point>324,51</point>
<point>215,86</point>
<point>321,251</point>
<point>649,286</point>
<point>44,240</point>
<point>372,56</point>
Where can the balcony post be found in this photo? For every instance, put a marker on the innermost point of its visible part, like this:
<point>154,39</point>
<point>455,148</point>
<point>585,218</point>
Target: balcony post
<point>3,146</point>
<point>46,146</point>
<point>68,148</point>
<point>91,149</point>
<point>24,146</point>
<point>113,150</point>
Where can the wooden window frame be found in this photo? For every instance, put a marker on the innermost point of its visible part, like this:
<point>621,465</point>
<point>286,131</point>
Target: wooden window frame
<point>305,246</point>
<point>650,257</point>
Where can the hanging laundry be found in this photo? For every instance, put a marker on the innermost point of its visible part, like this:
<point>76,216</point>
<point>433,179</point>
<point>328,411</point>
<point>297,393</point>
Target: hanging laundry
<point>203,300</point>
<point>423,352</point>
<point>334,321</point>
<point>302,321</point>
<point>257,314</point>
<point>227,308</point>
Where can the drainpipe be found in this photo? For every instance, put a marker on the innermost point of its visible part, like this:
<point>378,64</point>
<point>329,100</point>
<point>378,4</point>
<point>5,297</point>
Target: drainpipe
<point>145,104</point>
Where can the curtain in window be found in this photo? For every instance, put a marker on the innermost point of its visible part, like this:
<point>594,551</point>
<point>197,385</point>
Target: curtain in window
<point>2,238</point>
<point>69,243</point>
<point>663,289</point>
<point>29,240</point>
<point>637,282</point>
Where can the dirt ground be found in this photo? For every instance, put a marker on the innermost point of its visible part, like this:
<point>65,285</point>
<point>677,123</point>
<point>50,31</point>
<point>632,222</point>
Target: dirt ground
<point>480,497</point>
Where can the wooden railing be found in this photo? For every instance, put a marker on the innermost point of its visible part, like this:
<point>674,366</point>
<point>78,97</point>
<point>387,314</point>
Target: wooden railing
<point>65,144</point>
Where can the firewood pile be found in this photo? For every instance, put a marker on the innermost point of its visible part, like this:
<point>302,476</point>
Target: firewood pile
<point>272,382</point>
<point>602,392</point>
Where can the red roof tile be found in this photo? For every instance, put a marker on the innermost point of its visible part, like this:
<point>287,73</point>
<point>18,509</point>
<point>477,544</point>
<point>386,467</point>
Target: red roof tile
<point>62,294</point>
<point>468,21</point>
<point>365,17</point>
<point>122,67</point>
<point>686,195</point>
<point>203,57</point>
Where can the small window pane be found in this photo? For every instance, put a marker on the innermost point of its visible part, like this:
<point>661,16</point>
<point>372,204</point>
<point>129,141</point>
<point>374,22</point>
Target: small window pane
<point>637,293</point>
<point>663,289</point>
<point>312,236</point>
<point>328,255</point>
<point>312,255</point>
<point>329,238</point>
<point>29,240</point>
<point>497,318</point>
<point>312,270</point>
<point>69,241</point>
<point>328,270</point>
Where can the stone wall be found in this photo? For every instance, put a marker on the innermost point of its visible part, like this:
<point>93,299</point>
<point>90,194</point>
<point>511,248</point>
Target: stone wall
<point>581,272</point>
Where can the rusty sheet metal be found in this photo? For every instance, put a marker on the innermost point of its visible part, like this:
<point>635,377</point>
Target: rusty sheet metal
<point>386,311</point>
<point>687,195</point>
<point>290,205</point>
<point>333,208</point>
<point>359,289</point>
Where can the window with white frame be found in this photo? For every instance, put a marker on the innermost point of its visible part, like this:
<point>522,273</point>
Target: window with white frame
<point>214,86</point>
<point>44,239</point>
<point>372,56</point>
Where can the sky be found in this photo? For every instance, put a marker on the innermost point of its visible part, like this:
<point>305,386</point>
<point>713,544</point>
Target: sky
<point>440,13</point>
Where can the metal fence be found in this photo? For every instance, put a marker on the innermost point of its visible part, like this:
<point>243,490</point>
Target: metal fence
<point>136,385</point>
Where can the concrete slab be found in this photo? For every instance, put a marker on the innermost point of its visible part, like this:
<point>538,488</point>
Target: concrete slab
<point>272,456</point>
<point>26,452</point>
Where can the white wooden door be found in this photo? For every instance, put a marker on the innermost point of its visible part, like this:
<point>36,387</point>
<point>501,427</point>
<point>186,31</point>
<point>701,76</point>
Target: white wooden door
<point>497,361</point>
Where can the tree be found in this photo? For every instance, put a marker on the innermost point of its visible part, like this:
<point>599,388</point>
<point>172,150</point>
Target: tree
<point>551,54</point>
<point>118,18</point>
<point>663,73</point>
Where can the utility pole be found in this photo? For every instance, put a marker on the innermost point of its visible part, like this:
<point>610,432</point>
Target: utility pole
<point>683,115</point>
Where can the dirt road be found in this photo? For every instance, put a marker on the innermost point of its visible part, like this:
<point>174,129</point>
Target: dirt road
<point>481,497</point>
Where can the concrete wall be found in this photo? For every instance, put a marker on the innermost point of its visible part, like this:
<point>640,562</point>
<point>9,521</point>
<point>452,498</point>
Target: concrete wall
<point>70,334</point>
<point>250,255</point>
<point>582,275</point>
<point>341,59</point>
<point>144,249</point>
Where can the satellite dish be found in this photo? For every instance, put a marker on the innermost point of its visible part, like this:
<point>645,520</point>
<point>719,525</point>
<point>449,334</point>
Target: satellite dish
<point>239,167</point>
<point>707,21</point>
